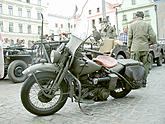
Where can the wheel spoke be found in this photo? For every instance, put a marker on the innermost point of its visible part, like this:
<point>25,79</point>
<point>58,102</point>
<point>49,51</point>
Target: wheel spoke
<point>33,95</point>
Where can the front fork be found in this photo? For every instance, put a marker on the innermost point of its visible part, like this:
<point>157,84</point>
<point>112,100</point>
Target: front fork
<point>56,83</point>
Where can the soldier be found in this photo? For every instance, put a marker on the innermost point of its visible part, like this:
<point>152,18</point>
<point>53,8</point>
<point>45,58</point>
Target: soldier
<point>107,30</point>
<point>140,36</point>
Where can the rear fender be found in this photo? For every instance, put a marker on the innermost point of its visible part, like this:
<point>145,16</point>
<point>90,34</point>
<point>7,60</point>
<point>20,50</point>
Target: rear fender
<point>49,67</point>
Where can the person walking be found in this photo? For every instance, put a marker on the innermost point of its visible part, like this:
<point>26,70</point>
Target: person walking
<point>140,36</point>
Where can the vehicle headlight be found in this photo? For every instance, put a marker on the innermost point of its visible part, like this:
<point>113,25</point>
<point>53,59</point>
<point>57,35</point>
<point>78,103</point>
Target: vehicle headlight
<point>54,56</point>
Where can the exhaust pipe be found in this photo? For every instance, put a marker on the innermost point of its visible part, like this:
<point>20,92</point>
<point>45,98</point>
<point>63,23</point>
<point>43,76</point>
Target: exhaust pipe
<point>112,79</point>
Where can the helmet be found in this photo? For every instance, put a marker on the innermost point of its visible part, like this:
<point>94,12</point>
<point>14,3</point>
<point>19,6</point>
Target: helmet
<point>140,14</point>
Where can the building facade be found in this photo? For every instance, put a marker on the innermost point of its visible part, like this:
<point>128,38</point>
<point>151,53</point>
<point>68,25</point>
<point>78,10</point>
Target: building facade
<point>94,13</point>
<point>160,5</point>
<point>22,19</point>
<point>126,12</point>
<point>58,24</point>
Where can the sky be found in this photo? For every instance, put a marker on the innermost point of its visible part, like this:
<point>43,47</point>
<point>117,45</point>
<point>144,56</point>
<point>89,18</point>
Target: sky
<point>67,7</point>
<point>64,7</point>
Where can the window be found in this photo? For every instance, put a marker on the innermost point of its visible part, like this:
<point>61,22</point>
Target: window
<point>90,12</point>
<point>39,2</point>
<point>147,13</point>
<point>98,9</point>
<point>124,17</point>
<point>68,25</point>
<point>93,22</point>
<point>74,25</point>
<point>28,13</point>
<point>29,29</point>
<point>56,25</point>
<point>20,12</point>
<point>20,28</point>
<point>10,8</point>
<point>107,18</point>
<point>100,20</point>
<point>39,15</point>
<point>133,2</point>
<point>61,25</point>
<point>1,26</point>
<point>0,8</point>
<point>11,27</point>
<point>27,1</point>
<point>39,29</point>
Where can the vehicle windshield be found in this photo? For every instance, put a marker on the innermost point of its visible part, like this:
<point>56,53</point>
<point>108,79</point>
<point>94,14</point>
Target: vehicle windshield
<point>74,44</point>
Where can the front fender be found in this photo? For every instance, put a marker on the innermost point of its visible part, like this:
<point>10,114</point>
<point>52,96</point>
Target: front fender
<point>49,67</point>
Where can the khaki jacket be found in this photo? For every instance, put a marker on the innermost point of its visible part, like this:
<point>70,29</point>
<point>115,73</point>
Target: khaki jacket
<point>140,36</point>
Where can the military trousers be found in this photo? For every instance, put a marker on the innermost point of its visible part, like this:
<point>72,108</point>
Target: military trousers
<point>142,56</point>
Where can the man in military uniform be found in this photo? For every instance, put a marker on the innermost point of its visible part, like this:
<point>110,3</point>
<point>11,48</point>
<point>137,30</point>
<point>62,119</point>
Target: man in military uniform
<point>140,36</point>
<point>107,30</point>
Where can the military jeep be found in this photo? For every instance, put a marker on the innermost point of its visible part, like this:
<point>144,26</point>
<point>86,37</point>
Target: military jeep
<point>16,59</point>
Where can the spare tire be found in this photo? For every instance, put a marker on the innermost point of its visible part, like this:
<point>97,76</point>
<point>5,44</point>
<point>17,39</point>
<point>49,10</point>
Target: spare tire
<point>15,70</point>
<point>120,57</point>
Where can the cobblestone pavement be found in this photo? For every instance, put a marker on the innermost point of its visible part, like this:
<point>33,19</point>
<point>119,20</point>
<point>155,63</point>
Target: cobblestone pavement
<point>143,106</point>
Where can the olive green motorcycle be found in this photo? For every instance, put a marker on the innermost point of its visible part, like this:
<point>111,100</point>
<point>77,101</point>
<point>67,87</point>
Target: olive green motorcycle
<point>71,74</point>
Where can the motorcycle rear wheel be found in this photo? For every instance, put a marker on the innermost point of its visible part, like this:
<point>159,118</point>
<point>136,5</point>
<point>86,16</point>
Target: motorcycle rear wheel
<point>122,89</point>
<point>36,102</point>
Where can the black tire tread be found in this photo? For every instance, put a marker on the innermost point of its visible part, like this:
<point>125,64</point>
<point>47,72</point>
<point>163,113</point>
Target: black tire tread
<point>11,69</point>
<point>25,95</point>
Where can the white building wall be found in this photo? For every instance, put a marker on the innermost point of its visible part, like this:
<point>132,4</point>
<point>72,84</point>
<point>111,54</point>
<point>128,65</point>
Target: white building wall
<point>110,12</point>
<point>34,7</point>
<point>141,5</point>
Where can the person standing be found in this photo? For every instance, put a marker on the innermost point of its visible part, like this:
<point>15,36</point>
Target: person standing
<point>124,35</point>
<point>140,36</point>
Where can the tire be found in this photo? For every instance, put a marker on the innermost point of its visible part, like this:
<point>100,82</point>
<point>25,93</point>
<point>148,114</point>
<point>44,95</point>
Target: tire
<point>120,57</point>
<point>43,79</point>
<point>159,60</point>
<point>151,59</point>
<point>15,70</point>
<point>124,90</point>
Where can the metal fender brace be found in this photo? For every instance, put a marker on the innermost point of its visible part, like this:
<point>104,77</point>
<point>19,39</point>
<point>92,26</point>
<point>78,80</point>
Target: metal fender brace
<point>70,78</point>
<point>56,82</point>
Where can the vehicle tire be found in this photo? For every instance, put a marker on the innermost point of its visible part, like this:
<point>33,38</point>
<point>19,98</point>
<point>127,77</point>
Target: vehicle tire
<point>159,60</point>
<point>151,59</point>
<point>120,57</point>
<point>15,70</point>
<point>122,89</point>
<point>28,100</point>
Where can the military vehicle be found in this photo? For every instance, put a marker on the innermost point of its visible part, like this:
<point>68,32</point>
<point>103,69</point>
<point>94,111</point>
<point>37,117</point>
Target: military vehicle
<point>16,59</point>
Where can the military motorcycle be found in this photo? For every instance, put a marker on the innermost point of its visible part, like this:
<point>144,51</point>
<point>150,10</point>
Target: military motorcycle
<point>72,74</point>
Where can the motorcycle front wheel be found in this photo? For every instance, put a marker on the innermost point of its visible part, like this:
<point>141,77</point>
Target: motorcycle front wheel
<point>121,90</point>
<point>34,99</point>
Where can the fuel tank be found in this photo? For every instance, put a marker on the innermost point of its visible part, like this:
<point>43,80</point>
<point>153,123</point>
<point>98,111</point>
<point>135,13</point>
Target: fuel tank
<point>83,66</point>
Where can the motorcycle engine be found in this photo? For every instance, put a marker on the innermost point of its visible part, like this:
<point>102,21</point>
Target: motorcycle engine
<point>96,92</point>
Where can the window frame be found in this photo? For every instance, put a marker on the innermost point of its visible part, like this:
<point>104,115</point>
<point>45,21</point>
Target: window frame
<point>10,10</point>
<point>11,27</point>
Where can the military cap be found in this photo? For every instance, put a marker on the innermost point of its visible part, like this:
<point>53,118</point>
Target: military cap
<point>140,14</point>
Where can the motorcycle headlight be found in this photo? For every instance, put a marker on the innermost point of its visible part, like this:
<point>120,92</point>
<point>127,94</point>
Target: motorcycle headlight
<point>54,56</point>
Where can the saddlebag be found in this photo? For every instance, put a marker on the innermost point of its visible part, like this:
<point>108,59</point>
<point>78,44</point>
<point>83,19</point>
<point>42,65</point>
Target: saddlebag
<point>134,72</point>
<point>135,75</point>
